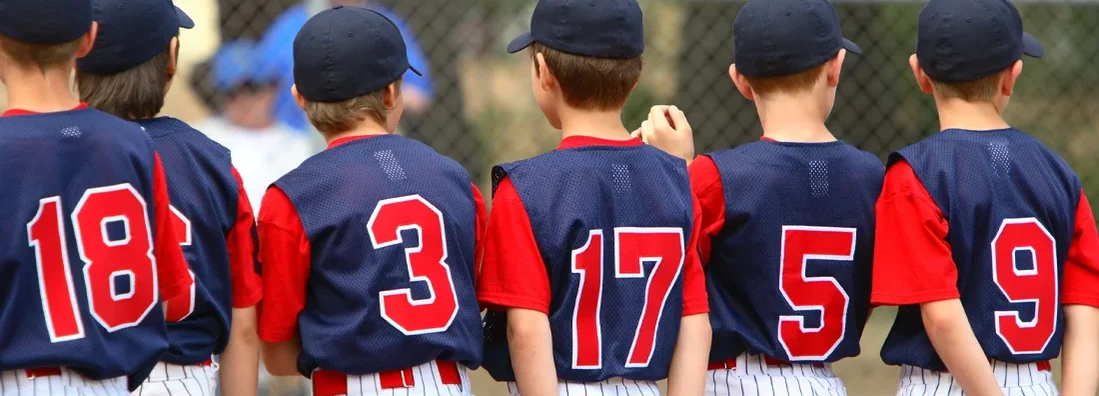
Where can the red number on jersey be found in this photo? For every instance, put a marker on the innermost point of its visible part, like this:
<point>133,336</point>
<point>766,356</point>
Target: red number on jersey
<point>108,262</point>
<point>183,305</point>
<point>633,247</point>
<point>426,263</point>
<point>822,294</point>
<point>1037,285</point>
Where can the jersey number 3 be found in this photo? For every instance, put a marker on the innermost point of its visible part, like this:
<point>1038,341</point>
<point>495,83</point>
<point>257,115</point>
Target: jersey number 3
<point>426,263</point>
<point>632,248</point>
<point>1036,285</point>
<point>813,293</point>
<point>119,270</point>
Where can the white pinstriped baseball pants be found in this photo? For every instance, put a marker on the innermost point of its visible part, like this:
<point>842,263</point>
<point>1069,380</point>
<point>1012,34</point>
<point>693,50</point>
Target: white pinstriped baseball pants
<point>611,387</point>
<point>69,383</point>
<point>427,379</point>
<point>1014,379</point>
<point>752,376</point>
<point>168,379</point>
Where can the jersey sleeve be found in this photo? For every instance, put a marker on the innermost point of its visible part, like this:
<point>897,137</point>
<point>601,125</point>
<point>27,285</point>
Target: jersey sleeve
<point>513,274</point>
<point>1082,264</point>
<point>241,240</point>
<point>173,275</point>
<point>482,224</point>
<point>695,300</point>
<point>284,253</point>
<point>912,259</point>
<point>708,190</point>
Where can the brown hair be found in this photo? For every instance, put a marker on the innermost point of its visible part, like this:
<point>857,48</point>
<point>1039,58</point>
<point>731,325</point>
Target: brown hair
<point>336,117</point>
<point>591,83</point>
<point>792,84</point>
<point>981,89</point>
<point>135,93</point>
<point>42,56</point>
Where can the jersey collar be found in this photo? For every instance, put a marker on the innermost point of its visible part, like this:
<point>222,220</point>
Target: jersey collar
<point>349,139</point>
<point>21,112</point>
<point>578,141</point>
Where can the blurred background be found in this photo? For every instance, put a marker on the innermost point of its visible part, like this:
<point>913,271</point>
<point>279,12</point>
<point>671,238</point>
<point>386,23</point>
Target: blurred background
<point>474,102</point>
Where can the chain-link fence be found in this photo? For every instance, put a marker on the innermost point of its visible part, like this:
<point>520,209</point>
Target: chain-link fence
<point>478,108</point>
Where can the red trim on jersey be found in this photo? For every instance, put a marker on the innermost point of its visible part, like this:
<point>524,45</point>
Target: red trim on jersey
<point>21,112</point>
<point>695,299</point>
<point>912,258</point>
<point>241,241</point>
<point>710,193</point>
<point>285,255</point>
<point>482,228</point>
<point>1081,277</point>
<point>172,271</point>
<point>349,139</point>
<point>578,141</point>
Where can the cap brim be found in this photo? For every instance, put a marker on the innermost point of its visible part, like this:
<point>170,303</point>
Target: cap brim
<point>851,47</point>
<point>185,20</point>
<point>1031,46</point>
<point>413,69</point>
<point>520,43</point>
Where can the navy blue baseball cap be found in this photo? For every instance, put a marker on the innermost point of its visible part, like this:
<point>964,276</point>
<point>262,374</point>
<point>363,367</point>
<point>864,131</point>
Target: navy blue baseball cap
<point>777,38</point>
<point>131,32</point>
<point>597,28</point>
<point>45,21</point>
<point>347,52</point>
<point>971,39</point>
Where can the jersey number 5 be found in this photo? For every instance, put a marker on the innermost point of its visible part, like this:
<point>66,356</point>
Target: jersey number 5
<point>119,270</point>
<point>1036,285</point>
<point>426,263</point>
<point>632,248</point>
<point>822,294</point>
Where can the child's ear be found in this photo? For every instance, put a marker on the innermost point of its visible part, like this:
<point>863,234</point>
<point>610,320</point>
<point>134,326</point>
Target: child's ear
<point>741,83</point>
<point>173,56</point>
<point>835,67</point>
<point>392,95</point>
<point>300,100</point>
<point>922,80</point>
<point>545,77</point>
<point>1007,86</point>
<point>88,41</point>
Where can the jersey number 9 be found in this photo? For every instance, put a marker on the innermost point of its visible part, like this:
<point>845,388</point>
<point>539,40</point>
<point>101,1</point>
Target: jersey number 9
<point>1036,285</point>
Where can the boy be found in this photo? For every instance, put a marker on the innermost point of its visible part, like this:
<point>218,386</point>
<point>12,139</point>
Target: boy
<point>788,222</point>
<point>368,247</point>
<point>986,237</point>
<point>89,250</point>
<point>591,248</point>
<point>128,74</point>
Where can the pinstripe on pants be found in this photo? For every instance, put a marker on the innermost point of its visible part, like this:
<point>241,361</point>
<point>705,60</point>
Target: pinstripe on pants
<point>611,387</point>
<point>69,383</point>
<point>1014,379</point>
<point>427,381</point>
<point>752,376</point>
<point>175,380</point>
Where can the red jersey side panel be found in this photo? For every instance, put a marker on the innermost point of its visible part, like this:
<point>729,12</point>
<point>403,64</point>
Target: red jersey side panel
<point>512,273</point>
<point>247,285</point>
<point>1082,266</point>
<point>284,254</point>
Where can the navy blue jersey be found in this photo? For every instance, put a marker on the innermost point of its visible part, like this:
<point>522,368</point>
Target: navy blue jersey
<point>78,277</point>
<point>204,194</point>
<point>612,225</point>
<point>1011,204</point>
<point>392,230</point>
<point>789,274</point>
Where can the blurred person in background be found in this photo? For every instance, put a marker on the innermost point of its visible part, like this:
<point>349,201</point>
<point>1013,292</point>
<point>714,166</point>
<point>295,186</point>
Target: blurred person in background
<point>277,47</point>
<point>263,148</point>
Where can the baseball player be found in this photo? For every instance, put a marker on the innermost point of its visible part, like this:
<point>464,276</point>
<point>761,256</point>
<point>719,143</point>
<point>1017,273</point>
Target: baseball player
<point>591,266</point>
<point>787,222</point>
<point>128,74</point>
<point>88,251</point>
<point>986,240</point>
<point>368,247</point>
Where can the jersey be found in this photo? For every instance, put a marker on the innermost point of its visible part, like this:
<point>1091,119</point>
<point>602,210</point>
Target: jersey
<point>611,225</point>
<point>391,228</point>
<point>85,200</point>
<point>790,267</point>
<point>1011,207</point>
<point>206,202</point>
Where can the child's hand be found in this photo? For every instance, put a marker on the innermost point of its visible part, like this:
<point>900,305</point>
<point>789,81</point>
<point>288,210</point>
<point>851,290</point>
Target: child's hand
<point>667,129</point>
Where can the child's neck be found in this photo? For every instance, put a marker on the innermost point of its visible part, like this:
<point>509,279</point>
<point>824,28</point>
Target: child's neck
<point>789,119</point>
<point>365,128</point>
<point>975,116</point>
<point>33,90</point>
<point>598,124</point>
